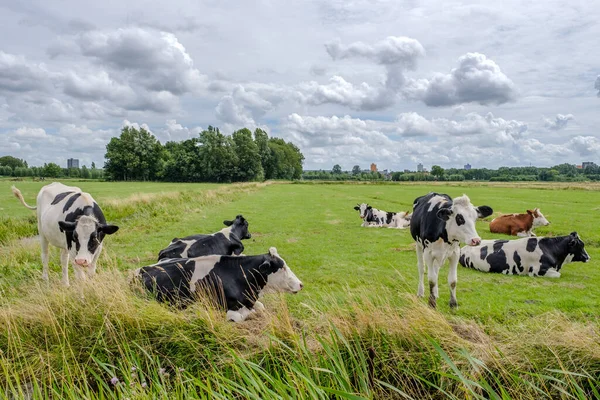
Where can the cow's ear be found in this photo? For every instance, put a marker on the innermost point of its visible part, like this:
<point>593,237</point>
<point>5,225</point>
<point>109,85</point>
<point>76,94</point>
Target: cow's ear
<point>108,229</point>
<point>369,208</point>
<point>273,252</point>
<point>484,211</point>
<point>66,226</point>
<point>574,237</point>
<point>529,212</point>
<point>356,208</point>
<point>444,213</point>
<point>227,223</point>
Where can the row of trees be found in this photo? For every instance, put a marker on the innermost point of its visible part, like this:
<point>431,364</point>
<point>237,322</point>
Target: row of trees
<point>212,157</point>
<point>15,167</point>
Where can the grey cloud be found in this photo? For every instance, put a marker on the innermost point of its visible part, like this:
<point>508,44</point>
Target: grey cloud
<point>476,80</point>
<point>597,85</point>
<point>19,75</point>
<point>232,113</point>
<point>585,145</point>
<point>559,122</point>
<point>391,51</point>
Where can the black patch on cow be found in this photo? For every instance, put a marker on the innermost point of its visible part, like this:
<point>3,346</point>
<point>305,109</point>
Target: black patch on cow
<point>169,281</point>
<point>204,245</point>
<point>517,260</point>
<point>425,224</point>
<point>461,260</point>
<point>389,216</point>
<point>497,260</point>
<point>483,252</point>
<point>531,244</point>
<point>460,220</point>
<point>70,202</point>
<point>59,197</point>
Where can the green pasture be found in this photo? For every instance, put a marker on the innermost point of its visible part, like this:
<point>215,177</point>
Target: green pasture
<point>359,282</point>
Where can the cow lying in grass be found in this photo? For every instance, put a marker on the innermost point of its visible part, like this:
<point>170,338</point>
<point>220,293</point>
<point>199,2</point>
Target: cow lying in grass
<point>227,241</point>
<point>72,221</point>
<point>528,256</point>
<point>519,224</point>
<point>372,217</point>
<point>235,283</point>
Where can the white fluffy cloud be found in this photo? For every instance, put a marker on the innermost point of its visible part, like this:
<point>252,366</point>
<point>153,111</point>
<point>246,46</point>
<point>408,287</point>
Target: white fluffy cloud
<point>597,85</point>
<point>559,122</point>
<point>477,79</point>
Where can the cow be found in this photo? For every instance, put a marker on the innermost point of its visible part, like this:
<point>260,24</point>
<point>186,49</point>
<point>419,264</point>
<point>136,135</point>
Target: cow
<point>537,256</point>
<point>438,225</point>
<point>227,241</point>
<point>519,224</point>
<point>235,283</point>
<point>71,220</point>
<point>378,218</point>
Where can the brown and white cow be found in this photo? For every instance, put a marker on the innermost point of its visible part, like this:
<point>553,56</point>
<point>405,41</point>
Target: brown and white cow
<point>519,224</point>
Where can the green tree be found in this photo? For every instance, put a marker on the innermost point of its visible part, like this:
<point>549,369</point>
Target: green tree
<point>52,170</point>
<point>85,172</point>
<point>93,165</point>
<point>249,166</point>
<point>356,170</point>
<point>135,155</point>
<point>261,138</point>
<point>217,156</point>
<point>13,162</point>
<point>437,171</point>
<point>337,169</point>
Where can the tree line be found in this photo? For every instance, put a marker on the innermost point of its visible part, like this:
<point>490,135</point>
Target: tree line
<point>558,173</point>
<point>16,167</point>
<point>211,157</point>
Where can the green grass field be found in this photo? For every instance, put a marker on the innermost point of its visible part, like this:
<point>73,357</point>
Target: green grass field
<point>360,286</point>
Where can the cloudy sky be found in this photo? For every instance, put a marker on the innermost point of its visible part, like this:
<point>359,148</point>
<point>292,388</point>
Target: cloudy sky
<point>351,82</point>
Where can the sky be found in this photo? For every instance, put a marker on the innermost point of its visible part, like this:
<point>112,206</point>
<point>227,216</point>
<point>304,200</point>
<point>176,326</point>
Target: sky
<point>394,82</point>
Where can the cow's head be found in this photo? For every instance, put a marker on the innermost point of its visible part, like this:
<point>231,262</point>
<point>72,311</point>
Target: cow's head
<point>239,226</point>
<point>460,219</point>
<point>84,238</point>
<point>362,209</point>
<point>576,248</point>
<point>538,217</point>
<point>280,277</point>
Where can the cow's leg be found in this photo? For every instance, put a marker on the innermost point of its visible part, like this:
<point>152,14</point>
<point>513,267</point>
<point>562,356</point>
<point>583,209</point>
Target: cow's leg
<point>452,275</point>
<point>239,315</point>
<point>552,273</point>
<point>79,272</point>
<point>45,257</point>
<point>64,263</point>
<point>433,269</point>
<point>523,234</point>
<point>421,267</point>
<point>258,306</point>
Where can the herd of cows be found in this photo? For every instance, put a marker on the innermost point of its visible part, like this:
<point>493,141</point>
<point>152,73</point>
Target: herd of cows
<point>213,263</point>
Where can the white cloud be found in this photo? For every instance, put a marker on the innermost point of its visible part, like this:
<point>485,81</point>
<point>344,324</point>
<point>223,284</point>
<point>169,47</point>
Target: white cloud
<point>559,122</point>
<point>476,80</point>
<point>585,145</point>
<point>597,85</point>
<point>19,75</point>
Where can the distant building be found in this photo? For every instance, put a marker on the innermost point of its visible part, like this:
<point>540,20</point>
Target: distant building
<point>586,164</point>
<point>419,167</point>
<point>579,166</point>
<point>73,163</point>
<point>467,167</point>
<point>373,167</point>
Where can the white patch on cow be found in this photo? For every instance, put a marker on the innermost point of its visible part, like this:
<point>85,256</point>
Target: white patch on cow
<point>258,306</point>
<point>86,226</point>
<point>203,266</point>
<point>188,244</point>
<point>435,200</point>
<point>239,315</point>
<point>284,279</point>
<point>552,273</point>
<point>568,259</point>
<point>539,219</point>
<point>225,231</point>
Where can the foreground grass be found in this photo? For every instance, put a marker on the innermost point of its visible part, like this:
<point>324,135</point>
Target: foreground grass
<point>356,331</point>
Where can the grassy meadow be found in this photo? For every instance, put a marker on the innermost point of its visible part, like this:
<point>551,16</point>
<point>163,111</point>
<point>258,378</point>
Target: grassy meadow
<point>357,329</point>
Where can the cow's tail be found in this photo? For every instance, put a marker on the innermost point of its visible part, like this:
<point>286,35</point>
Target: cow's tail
<point>19,196</point>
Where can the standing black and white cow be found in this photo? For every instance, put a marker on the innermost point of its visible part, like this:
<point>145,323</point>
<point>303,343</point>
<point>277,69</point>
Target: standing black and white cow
<point>235,283</point>
<point>372,217</point>
<point>226,242</point>
<point>72,221</point>
<point>438,225</point>
<point>528,256</point>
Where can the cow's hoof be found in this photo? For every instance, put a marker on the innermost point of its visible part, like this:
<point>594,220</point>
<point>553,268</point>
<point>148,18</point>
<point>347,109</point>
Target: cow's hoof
<point>65,283</point>
<point>45,277</point>
<point>453,304</point>
<point>432,302</point>
<point>258,306</point>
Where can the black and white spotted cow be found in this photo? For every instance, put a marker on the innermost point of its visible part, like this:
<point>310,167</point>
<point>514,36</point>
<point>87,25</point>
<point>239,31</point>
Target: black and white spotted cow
<point>72,221</point>
<point>438,225</point>
<point>528,256</point>
<point>235,283</point>
<point>227,241</point>
<point>372,217</point>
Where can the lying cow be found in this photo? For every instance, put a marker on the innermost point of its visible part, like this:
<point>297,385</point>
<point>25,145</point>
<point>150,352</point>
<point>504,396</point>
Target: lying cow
<point>378,218</point>
<point>438,225</point>
<point>72,221</point>
<point>235,283</point>
<point>518,224</point>
<point>528,256</point>
<point>226,242</point>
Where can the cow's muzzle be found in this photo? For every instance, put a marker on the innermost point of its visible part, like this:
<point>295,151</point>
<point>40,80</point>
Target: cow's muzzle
<point>474,242</point>
<point>82,262</point>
